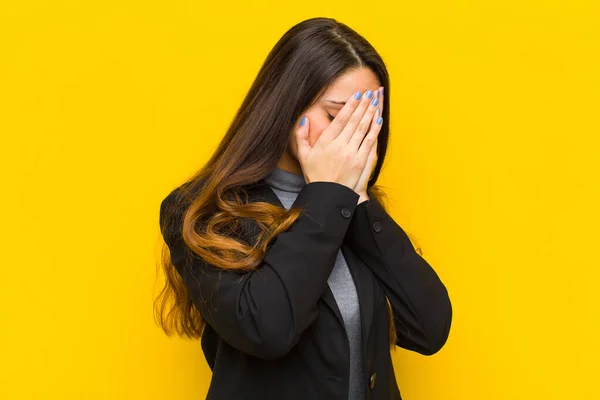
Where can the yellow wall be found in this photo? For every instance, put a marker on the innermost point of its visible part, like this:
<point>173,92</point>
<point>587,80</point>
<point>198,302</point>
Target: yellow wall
<point>106,106</point>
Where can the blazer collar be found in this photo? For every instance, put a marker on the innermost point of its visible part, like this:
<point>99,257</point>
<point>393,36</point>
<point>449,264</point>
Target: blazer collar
<point>363,279</point>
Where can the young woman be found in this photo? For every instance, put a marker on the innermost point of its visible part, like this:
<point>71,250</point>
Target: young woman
<point>280,254</point>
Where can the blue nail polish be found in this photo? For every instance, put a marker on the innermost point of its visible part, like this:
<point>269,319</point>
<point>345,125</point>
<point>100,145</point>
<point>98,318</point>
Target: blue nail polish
<point>378,111</point>
<point>302,121</point>
<point>378,94</point>
<point>379,121</point>
<point>375,101</point>
<point>369,93</point>
<point>357,95</point>
<point>382,90</point>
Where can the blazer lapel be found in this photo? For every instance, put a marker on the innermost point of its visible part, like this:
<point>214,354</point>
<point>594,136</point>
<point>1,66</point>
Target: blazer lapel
<point>363,280</point>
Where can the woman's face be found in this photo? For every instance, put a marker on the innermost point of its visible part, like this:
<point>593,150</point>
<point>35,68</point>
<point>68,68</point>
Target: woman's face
<point>322,113</point>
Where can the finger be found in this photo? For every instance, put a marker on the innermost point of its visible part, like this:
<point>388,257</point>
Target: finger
<point>356,117</point>
<point>301,134</point>
<point>379,94</point>
<point>363,126</point>
<point>379,106</point>
<point>342,117</point>
<point>381,98</point>
<point>370,139</point>
<point>373,120</point>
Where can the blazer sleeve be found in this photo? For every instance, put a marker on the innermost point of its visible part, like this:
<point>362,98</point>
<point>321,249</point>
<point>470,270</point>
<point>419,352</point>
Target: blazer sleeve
<point>263,312</point>
<point>420,302</point>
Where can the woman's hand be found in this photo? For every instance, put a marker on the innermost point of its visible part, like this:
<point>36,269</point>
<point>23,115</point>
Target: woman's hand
<point>361,185</point>
<point>340,153</point>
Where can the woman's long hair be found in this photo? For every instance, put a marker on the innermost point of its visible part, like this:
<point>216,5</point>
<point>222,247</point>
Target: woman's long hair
<point>303,63</point>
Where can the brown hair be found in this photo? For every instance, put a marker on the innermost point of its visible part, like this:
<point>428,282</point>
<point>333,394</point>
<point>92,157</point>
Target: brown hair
<point>305,61</point>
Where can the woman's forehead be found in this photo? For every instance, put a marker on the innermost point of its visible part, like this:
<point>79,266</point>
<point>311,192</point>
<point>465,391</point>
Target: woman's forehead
<point>356,80</point>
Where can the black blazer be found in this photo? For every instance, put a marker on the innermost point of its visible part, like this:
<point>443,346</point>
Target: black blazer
<point>277,333</point>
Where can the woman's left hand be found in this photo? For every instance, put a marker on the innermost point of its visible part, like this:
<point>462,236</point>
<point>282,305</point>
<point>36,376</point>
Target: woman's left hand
<point>361,186</point>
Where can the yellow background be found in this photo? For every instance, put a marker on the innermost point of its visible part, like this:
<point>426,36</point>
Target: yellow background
<point>106,106</point>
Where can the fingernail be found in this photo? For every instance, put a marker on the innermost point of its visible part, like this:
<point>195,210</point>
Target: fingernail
<point>357,95</point>
<point>369,93</point>
<point>303,121</point>
<point>378,110</point>
<point>379,121</point>
<point>382,90</point>
<point>375,101</point>
<point>378,94</point>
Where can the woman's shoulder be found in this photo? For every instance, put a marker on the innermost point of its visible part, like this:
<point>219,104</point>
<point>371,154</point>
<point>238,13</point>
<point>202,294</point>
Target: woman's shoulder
<point>182,195</point>
<point>175,203</point>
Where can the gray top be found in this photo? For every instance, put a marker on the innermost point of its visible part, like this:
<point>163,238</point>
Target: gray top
<point>286,186</point>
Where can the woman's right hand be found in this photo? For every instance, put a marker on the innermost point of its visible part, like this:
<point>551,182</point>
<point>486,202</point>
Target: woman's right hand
<point>340,153</point>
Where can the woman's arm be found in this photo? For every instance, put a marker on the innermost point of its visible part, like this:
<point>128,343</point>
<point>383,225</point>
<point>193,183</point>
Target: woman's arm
<point>264,312</point>
<point>420,303</point>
